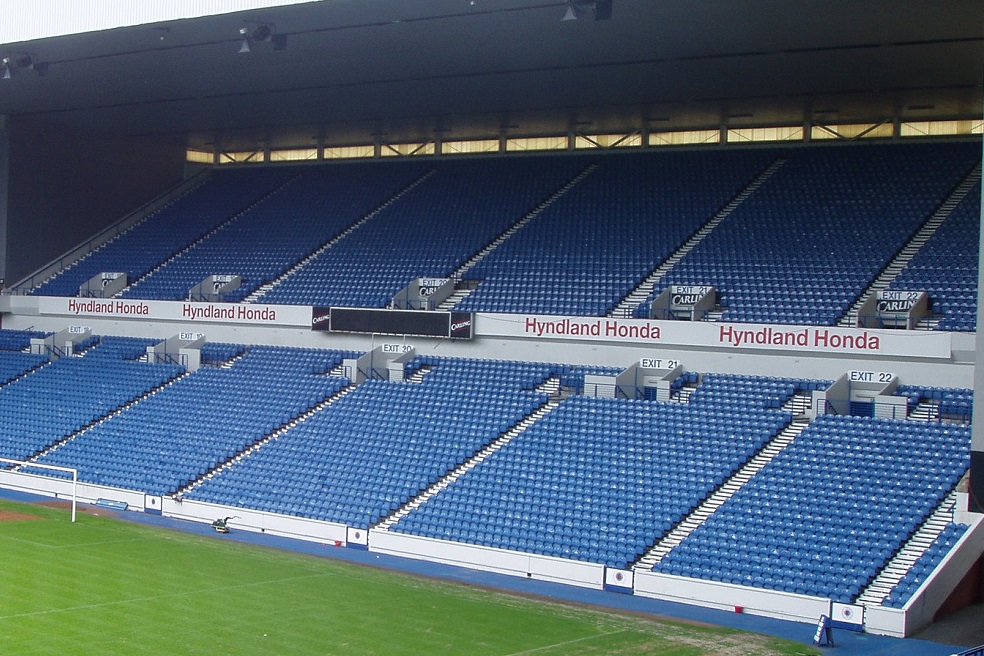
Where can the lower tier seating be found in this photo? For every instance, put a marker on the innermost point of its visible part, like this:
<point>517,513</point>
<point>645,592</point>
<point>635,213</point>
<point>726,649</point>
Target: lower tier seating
<point>63,397</point>
<point>594,480</point>
<point>597,480</point>
<point>202,420</point>
<point>373,449</point>
<point>828,512</point>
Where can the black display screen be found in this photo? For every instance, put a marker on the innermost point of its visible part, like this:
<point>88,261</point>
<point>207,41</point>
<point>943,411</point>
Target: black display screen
<point>393,322</point>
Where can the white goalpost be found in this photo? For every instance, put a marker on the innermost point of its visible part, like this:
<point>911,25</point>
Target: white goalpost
<point>70,470</point>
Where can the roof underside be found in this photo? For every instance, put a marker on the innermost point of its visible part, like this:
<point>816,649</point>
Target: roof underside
<point>356,71</point>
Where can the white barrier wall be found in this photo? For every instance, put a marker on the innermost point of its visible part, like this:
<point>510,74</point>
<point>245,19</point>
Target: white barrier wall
<point>62,489</point>
<point>257,521</point>
<point>930,597</point>
<point>43,485</point>
<point>725,596</point>
<point>885,621</point>
<point>502,561</point>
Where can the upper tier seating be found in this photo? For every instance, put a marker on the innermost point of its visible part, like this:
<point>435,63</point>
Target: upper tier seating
<point>826,514</point>
<point>63,397</point>
<point>200,421</point>
<point>429,232</point>
<point>370,451</point>
<point>811,239</point>
<point>598,241</point>
<point>138,250</point>
<point>800,249</point>
<point>946,267</point>
<point>270,237</point>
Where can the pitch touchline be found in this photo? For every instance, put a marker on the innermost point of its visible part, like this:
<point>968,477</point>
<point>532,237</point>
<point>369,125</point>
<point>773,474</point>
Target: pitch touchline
<point>77,545</point>
<point>155,597</point>
<point>567,642</point>
<point>82,545</point>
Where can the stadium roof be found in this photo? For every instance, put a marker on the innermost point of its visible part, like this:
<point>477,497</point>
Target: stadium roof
<point>27,20</point>
<point>353,71</point>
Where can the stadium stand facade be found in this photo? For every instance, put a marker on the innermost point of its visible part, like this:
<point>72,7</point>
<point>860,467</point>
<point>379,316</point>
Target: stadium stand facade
<point>819,489</point>
<point>739,376</point>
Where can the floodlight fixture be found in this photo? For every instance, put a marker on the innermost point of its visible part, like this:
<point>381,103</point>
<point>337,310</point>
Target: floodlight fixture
<point>245,34</point>
<point>262,33</point>
<point>10,63</point>
<point>602,9</point>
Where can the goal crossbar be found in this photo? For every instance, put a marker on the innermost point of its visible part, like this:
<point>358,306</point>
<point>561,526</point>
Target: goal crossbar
<point>74,472</point>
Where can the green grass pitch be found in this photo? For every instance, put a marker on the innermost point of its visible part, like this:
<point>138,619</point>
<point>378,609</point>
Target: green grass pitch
<point>105,586</point>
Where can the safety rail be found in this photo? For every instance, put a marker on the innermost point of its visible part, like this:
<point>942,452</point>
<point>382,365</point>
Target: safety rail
<point>973,651</point>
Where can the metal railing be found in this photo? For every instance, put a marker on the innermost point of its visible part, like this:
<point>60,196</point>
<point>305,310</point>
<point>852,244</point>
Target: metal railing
<point>843,406</point>
<point>973,651</point>
<point>170,358</point>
